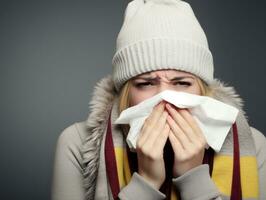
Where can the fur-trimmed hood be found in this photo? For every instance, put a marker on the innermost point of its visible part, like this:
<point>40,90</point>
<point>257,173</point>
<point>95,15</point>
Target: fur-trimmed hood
<point>99,108</point>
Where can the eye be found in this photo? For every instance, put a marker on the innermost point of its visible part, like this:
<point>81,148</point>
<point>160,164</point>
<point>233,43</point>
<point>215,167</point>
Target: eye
<point>143,84</point>
<point>183,83</point>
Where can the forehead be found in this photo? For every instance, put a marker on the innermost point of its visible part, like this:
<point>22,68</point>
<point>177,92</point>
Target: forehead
<point>165,72</point>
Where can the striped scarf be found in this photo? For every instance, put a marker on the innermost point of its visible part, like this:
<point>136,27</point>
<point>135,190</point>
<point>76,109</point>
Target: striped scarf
<point>105,99</point>
<point>234,173</point>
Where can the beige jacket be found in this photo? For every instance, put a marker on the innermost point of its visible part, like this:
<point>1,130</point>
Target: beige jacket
<point>72,164</point>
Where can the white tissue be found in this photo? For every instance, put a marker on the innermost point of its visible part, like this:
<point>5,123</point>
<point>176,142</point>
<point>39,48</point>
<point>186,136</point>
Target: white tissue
<point>214,117</point>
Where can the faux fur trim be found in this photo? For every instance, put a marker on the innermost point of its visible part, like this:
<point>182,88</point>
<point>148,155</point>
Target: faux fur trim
<point>100,106</point>
<point>228,94</point>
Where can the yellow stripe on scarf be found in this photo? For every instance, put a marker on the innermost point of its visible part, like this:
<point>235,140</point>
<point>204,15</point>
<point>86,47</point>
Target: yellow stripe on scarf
<point>221,175</point>
<point>122,164</point>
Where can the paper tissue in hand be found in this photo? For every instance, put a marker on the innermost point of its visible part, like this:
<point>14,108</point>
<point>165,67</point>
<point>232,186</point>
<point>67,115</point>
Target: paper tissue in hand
<point>214,117</point>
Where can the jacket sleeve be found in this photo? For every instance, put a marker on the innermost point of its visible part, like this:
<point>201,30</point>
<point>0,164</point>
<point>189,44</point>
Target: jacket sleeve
<point>67,169</point>
<point>199,181</point>
<point>260,143</point>
<point>138,188</point>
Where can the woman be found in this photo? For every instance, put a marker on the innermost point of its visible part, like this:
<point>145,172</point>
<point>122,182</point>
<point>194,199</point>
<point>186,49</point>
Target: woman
<point>160,46</point>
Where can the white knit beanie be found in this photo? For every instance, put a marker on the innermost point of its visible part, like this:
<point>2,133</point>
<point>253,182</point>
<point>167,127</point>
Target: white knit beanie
<point>160,34</point>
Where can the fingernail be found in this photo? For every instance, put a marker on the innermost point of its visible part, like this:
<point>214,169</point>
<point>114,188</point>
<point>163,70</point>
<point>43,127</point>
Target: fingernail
<point>168,106</point>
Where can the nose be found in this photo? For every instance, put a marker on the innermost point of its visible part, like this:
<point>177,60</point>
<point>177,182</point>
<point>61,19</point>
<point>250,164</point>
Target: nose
<point>163,86</point>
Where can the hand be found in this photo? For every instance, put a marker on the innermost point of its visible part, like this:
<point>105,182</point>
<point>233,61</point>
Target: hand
<point>150,145</point>
<point>187,140</point>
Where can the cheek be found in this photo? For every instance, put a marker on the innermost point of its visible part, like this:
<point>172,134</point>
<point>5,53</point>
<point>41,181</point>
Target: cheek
<point>195,89</point>
<point>136,96</point>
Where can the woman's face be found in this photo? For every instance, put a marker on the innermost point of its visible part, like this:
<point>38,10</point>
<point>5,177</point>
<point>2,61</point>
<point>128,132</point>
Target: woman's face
<point>149,84</point>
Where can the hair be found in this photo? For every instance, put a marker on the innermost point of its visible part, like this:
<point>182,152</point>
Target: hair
<point>124,103</point>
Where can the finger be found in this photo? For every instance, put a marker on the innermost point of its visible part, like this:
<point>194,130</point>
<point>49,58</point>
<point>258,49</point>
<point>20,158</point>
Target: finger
<point>161,140</point>
<point>156,113</point>
<point>155,131</point>
<point>178,132</point>
<point>176,144</point>
<point>189,132</point>
<point>192,122</point>
<point>150,122</point>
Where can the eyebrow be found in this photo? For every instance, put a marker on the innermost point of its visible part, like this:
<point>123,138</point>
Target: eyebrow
<point>158,78</point>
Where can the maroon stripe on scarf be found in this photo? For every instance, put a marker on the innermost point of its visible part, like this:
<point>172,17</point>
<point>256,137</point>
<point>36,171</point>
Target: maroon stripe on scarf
<point>236,193</point>
<point>111,168</point>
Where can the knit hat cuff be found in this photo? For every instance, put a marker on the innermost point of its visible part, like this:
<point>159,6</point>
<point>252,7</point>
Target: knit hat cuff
<point>161,53</point>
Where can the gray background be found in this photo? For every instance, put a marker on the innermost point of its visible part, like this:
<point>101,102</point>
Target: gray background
<point>53,52</point>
